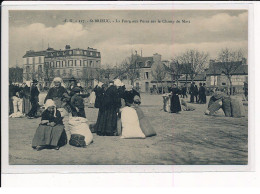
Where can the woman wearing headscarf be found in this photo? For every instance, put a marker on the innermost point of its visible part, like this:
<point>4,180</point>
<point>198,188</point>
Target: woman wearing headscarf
<point>56,92</point>
<point>129,95</point>
<point>107,117</point>
<point>50,133</point>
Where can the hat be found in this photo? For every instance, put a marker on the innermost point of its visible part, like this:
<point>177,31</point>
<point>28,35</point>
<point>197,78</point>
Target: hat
<point>57,79</point>
<point>72,79</point>
<point>128,87</point>
<point>34,81</point>
<point>118,83</point>
<point>49,103</point>
<point>76,89</point>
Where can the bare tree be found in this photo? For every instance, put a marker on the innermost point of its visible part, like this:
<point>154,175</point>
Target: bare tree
<point>175,70</point>
<point>130,68</point>
<point>193,61</point>
<point>229,63</point>
<point>159,73</point>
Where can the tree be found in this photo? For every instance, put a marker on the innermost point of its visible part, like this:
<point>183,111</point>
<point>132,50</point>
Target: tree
<point>193,62</point>
<point>130,68</point>
<point>175,70</point>
<point>229,59</point>
<point>159,73</point>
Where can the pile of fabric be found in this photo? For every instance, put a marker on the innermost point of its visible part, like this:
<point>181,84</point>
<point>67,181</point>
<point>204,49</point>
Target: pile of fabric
<point>81,135</point>
<point>135,124</point>
<point>231,105</point>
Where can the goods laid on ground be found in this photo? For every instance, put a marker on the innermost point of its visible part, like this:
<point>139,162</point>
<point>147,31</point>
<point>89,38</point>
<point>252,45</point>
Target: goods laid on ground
<point>238,109</point>
<point>79,126</point>
<point>145,124</point>
<point>232,106</point>
<point>226,105</point>
<point>215,106</point>
<point>130,124</point>
<point>167,102</point>
<point>77,140</point>
<point>185,106</point>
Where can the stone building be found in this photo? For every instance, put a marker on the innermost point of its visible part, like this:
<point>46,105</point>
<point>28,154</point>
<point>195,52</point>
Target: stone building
<point>216,78</point>
<point>33,66</point>
<point>145,81</point>
<point>82,64</point>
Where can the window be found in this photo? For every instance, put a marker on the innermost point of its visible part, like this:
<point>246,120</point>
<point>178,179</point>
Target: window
<point>223,84</point>
<point>146,75</point>
<point>90,63</point>
<point>40,60</point>
<point>77,52</point>
<point>80,62</point>
<point>213,79</point>
<point>33,60</point>
<point>78,72</point>
<point>27,69</point>
<point>85,52</point>
<point>27,61</point>
<point>97,54</point>
<point>40,69</point>
<point>75,62</point>
<point>84,63</point>
<point>70,52</point>
<point>70,62</point>
<point>91,53</point>
<point>57,64</point>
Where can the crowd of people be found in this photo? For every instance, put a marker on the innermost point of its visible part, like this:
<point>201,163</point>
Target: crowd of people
<point>110,98</point>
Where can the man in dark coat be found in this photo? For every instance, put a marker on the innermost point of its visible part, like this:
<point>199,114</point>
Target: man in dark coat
<point>77,104</point>
<point>34,99</point>
<point>192,92</point>
<point>110,103</point>
<point>201,91</point>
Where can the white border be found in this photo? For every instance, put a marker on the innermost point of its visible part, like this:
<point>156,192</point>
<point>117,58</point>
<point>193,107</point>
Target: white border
<point>6,168</point>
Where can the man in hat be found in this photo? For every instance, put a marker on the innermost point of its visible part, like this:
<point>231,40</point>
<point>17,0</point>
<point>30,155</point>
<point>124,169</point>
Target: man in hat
<point>34,99</point>
<point>72,84</point>
<point>77,104</point>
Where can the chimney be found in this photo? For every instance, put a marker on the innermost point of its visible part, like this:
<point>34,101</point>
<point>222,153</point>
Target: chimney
<point>67,47</point>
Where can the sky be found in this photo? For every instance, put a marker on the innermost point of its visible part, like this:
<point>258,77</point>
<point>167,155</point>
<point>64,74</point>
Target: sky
<point>205,30</point>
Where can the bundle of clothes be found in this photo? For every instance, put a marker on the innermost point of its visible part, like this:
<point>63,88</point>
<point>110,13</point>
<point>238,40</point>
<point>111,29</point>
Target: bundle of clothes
<point>231,105</point>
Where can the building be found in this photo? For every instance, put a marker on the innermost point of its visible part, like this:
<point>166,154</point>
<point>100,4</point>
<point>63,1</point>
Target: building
<point>216,78</point>
<point>33,63</point>
<point>145,66</point>
<point>82,64</point>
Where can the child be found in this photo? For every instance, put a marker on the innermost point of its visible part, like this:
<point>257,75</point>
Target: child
<point>50,133</point>
<point>77,104</point>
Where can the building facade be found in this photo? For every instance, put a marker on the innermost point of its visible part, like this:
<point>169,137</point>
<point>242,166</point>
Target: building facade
<point>216,78</point>
<point>33,66</point>
<point>82,64</point>
<point>146,81</point>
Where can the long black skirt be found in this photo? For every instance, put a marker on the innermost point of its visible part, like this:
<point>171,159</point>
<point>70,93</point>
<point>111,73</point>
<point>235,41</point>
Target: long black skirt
<point>49,136</point>
<point>106,124</point>
<point>175,104</point>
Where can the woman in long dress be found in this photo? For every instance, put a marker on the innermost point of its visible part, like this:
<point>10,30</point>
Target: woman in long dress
<point>56,92</point>
<point>106,124</point>
<point>50,133</point>
<point>26,99</point>
<point>175,100</point>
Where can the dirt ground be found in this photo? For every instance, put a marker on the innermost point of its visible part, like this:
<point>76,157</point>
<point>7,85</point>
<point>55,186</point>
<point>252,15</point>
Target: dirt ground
<point>187,138</point>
